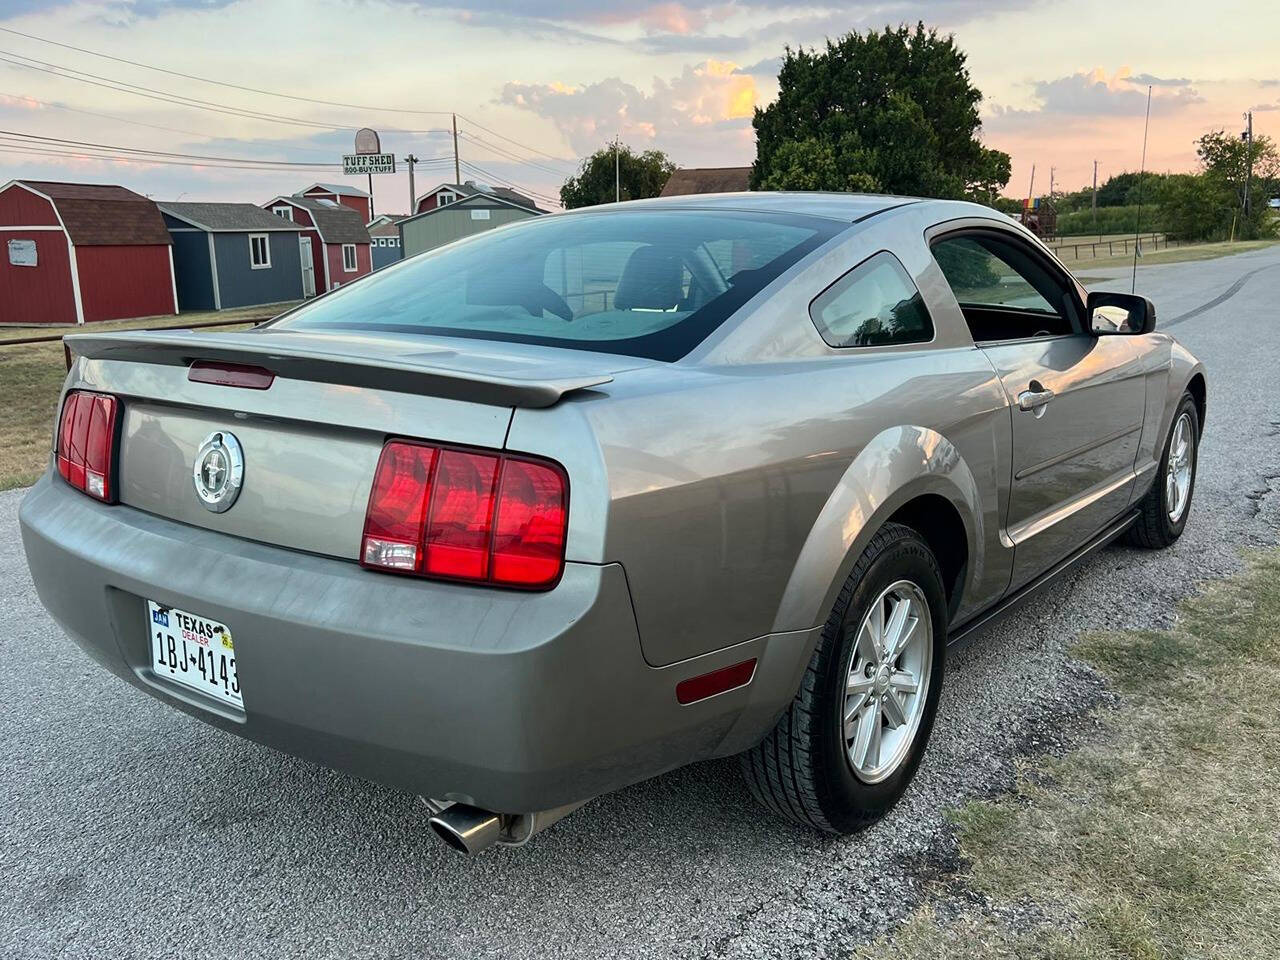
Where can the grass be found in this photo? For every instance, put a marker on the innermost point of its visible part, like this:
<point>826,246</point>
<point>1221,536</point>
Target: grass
<point>1158,840</point>
<point>32,375</point>
<point>1179,254</point>
<point>165,320</point>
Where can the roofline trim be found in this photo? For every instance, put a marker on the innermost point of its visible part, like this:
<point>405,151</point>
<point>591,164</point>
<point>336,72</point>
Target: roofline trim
<point>208,229</point>
<point>465,200</point>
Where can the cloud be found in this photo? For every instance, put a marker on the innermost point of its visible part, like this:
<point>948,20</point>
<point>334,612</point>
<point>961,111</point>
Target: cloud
<point>1095,94</point>
<point>689,112</point>
<point>768,67</point>
<point>1142,79</point>
<point>12,9</point>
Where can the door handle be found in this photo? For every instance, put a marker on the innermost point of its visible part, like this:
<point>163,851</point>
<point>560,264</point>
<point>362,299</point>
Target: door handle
<point>1035,398</point>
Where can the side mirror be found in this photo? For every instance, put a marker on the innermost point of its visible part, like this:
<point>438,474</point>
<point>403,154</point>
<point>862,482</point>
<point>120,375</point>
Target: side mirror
<point>1120,313</point>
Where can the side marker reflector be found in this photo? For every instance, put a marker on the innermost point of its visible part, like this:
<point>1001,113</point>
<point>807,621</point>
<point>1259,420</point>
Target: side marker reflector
<point>717,681</point>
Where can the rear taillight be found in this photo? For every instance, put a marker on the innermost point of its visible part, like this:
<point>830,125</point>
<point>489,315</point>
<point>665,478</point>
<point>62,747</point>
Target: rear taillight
<point>467,515</point>
<point>86,441</point>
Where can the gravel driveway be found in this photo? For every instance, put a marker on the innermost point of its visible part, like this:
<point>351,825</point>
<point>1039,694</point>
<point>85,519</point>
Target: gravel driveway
<point>132,830</point>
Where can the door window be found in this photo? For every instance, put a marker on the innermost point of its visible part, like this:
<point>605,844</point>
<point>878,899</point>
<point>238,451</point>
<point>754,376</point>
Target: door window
<point>1005,291</point>
<point>874,304</point>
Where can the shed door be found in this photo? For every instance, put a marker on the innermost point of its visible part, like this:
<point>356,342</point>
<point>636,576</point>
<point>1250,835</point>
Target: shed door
<point>308,268</point>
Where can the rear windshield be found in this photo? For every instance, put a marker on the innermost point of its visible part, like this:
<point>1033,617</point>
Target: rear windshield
<point>646,284</point>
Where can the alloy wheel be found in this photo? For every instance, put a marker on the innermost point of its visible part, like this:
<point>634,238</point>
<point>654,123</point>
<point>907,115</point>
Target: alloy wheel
<point>1177,479</point>
<point>887,683</point>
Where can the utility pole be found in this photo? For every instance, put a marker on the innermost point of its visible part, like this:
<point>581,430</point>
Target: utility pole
<point>1095,196</point>
<point>1031,190</point>
<point>617,169</point>
<point>457,171</point>
<point>1052,171</point>
<point>1248,157</point>
<point>371,196</point>
<point>413,198</point>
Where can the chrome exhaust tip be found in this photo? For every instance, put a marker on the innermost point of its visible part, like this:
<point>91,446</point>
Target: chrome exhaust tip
<point>467,829</point>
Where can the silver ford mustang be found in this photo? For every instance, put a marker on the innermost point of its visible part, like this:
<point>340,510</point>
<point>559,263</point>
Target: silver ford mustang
<point>574,502</point>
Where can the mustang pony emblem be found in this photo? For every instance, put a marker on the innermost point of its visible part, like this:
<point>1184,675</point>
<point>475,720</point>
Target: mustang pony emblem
<point>218,471</point>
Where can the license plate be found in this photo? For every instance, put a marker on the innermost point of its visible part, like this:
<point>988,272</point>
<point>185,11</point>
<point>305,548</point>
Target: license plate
<point>193,651</point>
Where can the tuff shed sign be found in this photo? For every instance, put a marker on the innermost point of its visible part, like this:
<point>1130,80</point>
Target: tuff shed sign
<point>368,157</point>
<point>354,163</point>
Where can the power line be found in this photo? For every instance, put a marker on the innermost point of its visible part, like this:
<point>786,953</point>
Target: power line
<point>262,92</point>
<point>104,116</point>
<point>18,138</point>
<point>508,183</point>
<point>60,142</point>
<point>501,152</point>
<point>31,151</point>
<point>121,86</point>
<point>509,140</point>
<point>223,83</point>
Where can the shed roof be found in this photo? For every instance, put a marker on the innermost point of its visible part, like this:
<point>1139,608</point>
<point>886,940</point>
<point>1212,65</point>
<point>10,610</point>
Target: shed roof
<point>334,223</point>
<point>391,229</point>
<point>340,189</point>
<point>707,180</point>
<point>472,202</point>
<point>100,215</point>
<point>471,189</point>
<point>228,217</point>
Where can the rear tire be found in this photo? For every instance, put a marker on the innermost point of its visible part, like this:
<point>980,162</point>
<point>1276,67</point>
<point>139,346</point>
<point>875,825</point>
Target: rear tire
<point>817,766</point>
<point>1167,504</point>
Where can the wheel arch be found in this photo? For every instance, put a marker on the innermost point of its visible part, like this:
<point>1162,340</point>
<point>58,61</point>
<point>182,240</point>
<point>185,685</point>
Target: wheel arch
<point>1198,389</point>
<point>907,474</point>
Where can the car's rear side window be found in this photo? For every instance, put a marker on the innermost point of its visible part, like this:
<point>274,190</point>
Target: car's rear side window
<point>646,283</point>
<point>873,305</point>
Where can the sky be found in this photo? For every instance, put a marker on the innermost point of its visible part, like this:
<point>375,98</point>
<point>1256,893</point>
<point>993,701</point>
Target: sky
<point>538,84</point>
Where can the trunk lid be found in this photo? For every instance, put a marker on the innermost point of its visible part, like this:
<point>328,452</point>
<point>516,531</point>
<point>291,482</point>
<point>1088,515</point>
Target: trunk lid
<point>311,441</point>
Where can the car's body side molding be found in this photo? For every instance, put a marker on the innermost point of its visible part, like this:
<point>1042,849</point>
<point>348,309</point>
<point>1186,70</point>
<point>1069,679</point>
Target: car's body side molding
<point>898,465</point>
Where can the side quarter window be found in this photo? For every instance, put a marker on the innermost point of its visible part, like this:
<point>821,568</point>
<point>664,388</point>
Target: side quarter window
<point>873,305</point>
<point>1005,291</point>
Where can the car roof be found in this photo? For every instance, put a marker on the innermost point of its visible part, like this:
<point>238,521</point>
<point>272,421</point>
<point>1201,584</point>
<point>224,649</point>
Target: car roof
<point>848,207</point>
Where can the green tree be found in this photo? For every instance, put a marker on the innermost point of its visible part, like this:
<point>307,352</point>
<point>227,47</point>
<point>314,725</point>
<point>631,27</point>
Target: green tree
<point>1195,207</point>
<point>891,111</point>
<point>1210,205</point>
<point>639,174</point>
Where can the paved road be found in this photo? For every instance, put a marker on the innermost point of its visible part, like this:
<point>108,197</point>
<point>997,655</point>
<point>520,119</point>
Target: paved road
<point>132,830</point>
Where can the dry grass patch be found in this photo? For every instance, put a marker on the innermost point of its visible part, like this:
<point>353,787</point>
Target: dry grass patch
<point>1162,839</point>
<point>1180,254</point>
<point>177,321</point>
<point>32,375</point>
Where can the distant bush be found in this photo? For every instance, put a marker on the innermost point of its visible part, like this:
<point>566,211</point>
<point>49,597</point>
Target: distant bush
<point>1110,220</point>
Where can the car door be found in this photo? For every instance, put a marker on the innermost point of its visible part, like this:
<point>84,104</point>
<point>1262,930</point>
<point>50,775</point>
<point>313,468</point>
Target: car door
<point>1076,400</point>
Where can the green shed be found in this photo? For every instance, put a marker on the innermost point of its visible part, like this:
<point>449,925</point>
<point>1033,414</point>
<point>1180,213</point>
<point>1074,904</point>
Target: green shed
<point>462,218</point>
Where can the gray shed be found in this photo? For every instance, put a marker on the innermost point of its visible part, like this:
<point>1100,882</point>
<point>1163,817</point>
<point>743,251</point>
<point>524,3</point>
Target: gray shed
<point>463,218</point>
<point>232,255</point>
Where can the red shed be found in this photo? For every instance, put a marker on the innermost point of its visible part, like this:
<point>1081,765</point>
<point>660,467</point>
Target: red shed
<point>80,252</point>
<point>342,195</point>
<point>335,241</point>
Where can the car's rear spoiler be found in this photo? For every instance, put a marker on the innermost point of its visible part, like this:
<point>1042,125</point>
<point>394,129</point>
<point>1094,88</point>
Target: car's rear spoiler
<point>372,365</point>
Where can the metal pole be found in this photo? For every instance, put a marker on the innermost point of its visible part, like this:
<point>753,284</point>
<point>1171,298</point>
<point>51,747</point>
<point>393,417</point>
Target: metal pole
<point>1142,175</point>
<point>1248,157</point>
<point>457,171</point>
<point>1095,195</point>
<point>617,169</point>
<point>371,213</point>
<point>413,199</point>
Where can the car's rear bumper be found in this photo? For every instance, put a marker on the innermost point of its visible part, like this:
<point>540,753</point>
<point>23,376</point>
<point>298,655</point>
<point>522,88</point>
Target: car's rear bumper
<point>512,701</point>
